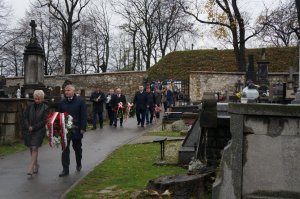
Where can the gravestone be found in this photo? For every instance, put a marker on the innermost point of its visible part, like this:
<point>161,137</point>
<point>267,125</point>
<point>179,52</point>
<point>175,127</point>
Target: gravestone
<point>207,139</point>
<point>290,91</point>
<point>55,94</point>
<point>208,121</point>
<point>262,74</point>
<point>34,58</point>
<point>2,85</point>
<point>251,74</point>
<point>82,93</point>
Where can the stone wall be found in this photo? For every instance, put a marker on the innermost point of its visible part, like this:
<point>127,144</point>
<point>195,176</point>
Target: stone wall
<point>11,119</point>
<point>262,160</point>
<point>202,81</point>
<point>127,81</point>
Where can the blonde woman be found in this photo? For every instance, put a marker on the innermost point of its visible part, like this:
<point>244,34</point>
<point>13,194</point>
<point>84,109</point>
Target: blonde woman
<point>35,116</point>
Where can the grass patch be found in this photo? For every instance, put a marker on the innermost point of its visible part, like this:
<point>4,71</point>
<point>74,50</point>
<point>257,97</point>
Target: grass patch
<point>163,133</point>
<point>127,170</point>
<point>15,147</point>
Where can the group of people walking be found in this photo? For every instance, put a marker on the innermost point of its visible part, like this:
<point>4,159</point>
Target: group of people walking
<point>112,104</point>
<point>147,104</point>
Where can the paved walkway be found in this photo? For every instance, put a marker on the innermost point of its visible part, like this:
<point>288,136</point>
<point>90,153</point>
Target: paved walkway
<point>97,144</point>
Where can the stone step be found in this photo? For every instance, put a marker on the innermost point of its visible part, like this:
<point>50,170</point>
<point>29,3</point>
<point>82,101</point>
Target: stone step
<point>266,197</point>
<point>187,148</point>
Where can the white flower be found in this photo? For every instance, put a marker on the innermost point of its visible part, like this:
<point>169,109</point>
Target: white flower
<point>56,141</point>
<point>70,118</point>
<point>69,124</point>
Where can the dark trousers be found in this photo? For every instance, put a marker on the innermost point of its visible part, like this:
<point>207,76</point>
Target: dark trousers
<point>157,114</point>
<point>116,119</point>
<point>166,106</point>
<point>150,112</point>
<point>100,116</point>
<point>65,156</point>
<point>140,116</point>
<point>111,116</point>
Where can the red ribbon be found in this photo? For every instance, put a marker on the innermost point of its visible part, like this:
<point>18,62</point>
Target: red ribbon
<point>56,130</point>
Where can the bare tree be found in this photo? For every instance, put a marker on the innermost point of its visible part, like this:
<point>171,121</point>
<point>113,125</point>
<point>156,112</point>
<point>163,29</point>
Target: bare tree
<point>101,20</point>
<point>172,21</point>
<point>5,16</point>
<point>142,14</point>
<point>280,24</point>
<point>226,16</point>
<point>132,30</point>
<point>68,13</point>
<point>12,55</point>
<point>297,3</point>
<point>82,48</point>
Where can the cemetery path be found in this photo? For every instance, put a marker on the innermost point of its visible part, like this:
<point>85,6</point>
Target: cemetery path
<point>97,144</point>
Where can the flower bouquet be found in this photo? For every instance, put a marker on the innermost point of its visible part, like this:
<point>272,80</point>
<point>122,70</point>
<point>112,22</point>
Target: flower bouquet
<point>130,110</point>
<point>59,129</point>
<point>120,109</point>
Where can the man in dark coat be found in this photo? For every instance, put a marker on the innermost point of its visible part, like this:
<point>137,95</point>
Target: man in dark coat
<point>108,106</point>
<point>76,107</point>
<point>98,98</point>
<point>118,111</point>
<point>150,105</point>
<point>140,102</point>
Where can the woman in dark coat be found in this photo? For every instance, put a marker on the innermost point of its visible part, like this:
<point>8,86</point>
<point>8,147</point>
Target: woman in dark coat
<point>35,116</point>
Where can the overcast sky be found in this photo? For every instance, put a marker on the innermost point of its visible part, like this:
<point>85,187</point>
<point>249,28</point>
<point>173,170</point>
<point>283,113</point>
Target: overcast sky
<point>253,7</point>
<point>20,6</point>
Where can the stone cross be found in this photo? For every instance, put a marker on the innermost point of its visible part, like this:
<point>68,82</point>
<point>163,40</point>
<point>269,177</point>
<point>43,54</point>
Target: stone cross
<point>33,31</point>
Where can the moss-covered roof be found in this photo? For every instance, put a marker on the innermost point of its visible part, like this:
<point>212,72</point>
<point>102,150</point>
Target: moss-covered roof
<point>177,65</point>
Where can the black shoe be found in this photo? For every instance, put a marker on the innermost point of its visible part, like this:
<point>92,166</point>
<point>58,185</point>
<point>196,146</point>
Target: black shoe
<point>121,125</point>
<point>138,123</point>
<point>142,126</point>
<point>78,168</point>
<point>115,125</point>
<point>94,128</point>
<point>63,174</point>
<point>101,126</point>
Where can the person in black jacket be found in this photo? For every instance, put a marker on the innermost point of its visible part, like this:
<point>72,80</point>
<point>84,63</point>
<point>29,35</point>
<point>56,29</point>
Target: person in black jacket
<point>118,111</point>
<point>108,106</point>
<point>34,131</point>
<point>140,102</point>
<point>98,98</point>
<point>76,107</point>
<point>150,105</point>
